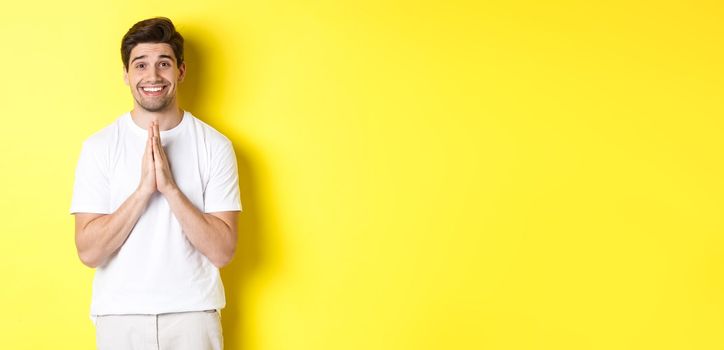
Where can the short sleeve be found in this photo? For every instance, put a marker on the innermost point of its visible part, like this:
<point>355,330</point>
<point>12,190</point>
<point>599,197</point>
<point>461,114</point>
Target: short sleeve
<point>222,190</point>
<point>91,189</point>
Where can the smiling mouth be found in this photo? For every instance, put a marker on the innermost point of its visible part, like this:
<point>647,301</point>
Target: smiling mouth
<point>153,90</point>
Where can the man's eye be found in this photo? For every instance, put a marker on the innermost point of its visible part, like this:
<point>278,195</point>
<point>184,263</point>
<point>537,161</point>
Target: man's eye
<point>140,66</point>
<point>164,64</point>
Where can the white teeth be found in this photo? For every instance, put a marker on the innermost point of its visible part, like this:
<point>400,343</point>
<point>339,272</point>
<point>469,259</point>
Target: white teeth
<point>152,89</point>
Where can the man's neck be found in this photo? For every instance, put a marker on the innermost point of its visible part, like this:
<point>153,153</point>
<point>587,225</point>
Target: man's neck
<point>167,119</point>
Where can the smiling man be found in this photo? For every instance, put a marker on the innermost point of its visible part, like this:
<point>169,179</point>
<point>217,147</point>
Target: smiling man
<point>156,202</point>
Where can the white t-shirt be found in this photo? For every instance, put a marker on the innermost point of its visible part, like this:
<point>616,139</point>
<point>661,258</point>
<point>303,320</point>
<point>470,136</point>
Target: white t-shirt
<point>157,270</point>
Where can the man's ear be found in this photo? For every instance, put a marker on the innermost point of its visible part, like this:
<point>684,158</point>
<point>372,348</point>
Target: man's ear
<point>125,76</point>
<point>182,72</point>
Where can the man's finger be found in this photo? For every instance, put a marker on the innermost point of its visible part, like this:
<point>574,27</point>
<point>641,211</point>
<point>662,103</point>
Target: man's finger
<point>161,152</point>
<point>156,135</point>
<point>156,153</point>
<point>149,149</point>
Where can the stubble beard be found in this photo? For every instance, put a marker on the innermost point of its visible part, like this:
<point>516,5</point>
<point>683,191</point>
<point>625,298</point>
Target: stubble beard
<point>155,105</point>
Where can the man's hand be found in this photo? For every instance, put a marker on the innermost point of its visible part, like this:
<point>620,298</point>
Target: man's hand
<point>164,178</point>
<point>98,236</point>
<point>147,186</point>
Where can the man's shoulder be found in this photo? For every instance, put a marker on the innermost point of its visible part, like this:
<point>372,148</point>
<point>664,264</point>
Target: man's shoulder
<point>210,134</point>
<point>104,136</point>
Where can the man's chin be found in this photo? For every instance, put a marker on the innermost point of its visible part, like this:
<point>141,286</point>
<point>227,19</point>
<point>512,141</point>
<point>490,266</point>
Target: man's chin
<point>159,109</point>
<point>154,107</point>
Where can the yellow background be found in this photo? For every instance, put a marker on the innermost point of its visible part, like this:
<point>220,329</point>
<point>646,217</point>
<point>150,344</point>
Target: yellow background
<point>415,175</point>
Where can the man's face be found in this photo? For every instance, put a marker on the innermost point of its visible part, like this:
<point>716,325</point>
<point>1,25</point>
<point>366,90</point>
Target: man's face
<point>153,75</point>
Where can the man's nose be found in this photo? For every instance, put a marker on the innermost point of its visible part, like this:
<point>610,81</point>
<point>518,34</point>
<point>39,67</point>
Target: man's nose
<point>155,72</point>
<point>151,75</point>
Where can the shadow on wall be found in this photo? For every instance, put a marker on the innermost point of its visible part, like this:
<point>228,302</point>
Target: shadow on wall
<point>197,95</point>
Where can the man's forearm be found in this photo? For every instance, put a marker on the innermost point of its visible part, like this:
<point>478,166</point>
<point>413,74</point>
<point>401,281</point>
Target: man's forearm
<point>102,237</point>
<point>209,234</point>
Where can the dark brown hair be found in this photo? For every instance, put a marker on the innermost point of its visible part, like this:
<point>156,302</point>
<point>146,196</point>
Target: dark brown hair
<point>152,30</point>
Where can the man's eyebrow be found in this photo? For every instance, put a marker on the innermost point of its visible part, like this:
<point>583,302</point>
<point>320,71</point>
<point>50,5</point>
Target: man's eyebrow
<point>161,56</point>
<point>139,57</point>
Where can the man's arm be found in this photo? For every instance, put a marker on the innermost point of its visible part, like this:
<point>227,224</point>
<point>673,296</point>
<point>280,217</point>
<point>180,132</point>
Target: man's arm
<point>98,236</point>
<point>213,234</point>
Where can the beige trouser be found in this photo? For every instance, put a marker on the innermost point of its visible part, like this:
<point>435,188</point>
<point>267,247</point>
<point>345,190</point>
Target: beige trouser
<point>197,330</point>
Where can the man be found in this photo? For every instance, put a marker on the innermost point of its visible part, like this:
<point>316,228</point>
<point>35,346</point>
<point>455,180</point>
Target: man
<point>156,201</point>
